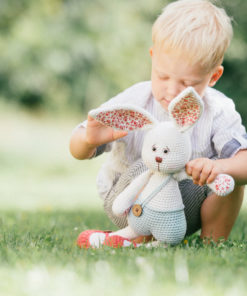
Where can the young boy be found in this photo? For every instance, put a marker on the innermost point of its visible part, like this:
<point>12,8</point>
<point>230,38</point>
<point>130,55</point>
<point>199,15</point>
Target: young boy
<point>190,38</point>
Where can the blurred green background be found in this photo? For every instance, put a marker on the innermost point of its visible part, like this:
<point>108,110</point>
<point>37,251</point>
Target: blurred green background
<point>58,59</point>
<point>71,55</point>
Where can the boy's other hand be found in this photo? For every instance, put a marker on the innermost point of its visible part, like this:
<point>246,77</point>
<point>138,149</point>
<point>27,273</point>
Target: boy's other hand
<point>203,170</point>
<point>98,134</point>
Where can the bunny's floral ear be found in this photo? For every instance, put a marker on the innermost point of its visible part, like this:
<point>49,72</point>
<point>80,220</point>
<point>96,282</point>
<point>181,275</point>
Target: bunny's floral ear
<point>123,117</point>
<point>186,109</point>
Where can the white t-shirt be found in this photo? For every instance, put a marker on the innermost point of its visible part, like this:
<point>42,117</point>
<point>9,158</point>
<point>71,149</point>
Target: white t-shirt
<point>219,132</point>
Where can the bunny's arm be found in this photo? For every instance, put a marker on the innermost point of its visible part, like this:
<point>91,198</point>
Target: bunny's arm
<point>222,185</point>
<point>180,176</point>
<point>126,198</point>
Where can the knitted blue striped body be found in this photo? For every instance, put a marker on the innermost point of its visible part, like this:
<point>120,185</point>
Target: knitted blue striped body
<point>167,227</point>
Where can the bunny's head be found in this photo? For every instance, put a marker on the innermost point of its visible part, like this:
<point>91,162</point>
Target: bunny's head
<point>166,149</point>
<point>167,145</point>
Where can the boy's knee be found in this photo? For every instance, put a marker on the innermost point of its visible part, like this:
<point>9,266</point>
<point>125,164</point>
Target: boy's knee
<point>239,190</point>
<point>237,194</point>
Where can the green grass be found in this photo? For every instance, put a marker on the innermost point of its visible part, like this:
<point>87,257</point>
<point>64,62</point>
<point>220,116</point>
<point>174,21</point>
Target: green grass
<point>38,249</point>
<point>47,198</point>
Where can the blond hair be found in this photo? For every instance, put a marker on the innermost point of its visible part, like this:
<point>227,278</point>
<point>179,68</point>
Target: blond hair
<point>200,29</point>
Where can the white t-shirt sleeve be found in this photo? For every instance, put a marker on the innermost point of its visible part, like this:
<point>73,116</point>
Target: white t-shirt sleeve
<point>228,135</point>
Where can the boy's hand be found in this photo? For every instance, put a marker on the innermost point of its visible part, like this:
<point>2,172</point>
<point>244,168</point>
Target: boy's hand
<point>98,134</point>
<point>203,170</point>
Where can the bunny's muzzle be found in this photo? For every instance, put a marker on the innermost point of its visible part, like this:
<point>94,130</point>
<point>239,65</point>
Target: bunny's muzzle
<point>158,159</point>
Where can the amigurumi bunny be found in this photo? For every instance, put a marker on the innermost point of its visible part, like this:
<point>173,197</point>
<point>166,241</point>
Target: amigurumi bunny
<point>153,200</point>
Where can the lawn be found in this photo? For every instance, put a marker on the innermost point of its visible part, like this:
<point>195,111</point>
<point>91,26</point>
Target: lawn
<point>47,198</point>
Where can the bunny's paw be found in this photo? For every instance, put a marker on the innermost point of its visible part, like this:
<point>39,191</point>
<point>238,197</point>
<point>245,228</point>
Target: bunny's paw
<point>222,185</point>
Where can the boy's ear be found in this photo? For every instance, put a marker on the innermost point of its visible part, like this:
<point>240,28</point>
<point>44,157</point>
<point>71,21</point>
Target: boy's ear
<point>151,51</point>
<point>216,75</point>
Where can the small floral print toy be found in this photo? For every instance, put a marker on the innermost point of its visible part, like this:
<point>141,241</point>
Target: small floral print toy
<point>153,200</point>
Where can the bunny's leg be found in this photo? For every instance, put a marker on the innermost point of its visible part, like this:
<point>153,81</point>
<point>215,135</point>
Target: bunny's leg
<point>120,238</point>
<point>126,232</point>
<point>98,236</point>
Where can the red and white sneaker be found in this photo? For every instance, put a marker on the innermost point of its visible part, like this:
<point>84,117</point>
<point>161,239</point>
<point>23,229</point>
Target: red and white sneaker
<point>96,238</point>
<point>116,241</point>
<point>91,238</point>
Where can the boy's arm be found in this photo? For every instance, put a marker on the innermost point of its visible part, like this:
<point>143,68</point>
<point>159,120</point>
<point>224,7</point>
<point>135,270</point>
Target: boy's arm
<point>79,147</point>
<point>204,170</point>
<point>236,167</point>
<point>84,141</point>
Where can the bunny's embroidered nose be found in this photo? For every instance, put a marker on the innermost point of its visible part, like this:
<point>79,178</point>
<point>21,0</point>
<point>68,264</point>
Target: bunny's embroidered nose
<point>158,159</point>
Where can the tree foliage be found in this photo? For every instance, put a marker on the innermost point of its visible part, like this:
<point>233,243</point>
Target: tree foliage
<point>77,53</point>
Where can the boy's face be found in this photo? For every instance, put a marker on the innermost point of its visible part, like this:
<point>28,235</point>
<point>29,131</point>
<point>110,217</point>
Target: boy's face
<point>171,74</point>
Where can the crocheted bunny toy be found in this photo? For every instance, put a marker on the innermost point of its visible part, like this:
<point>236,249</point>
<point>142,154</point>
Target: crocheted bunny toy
<point>153,200</point>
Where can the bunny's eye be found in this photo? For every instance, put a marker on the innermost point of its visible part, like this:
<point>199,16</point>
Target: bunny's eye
<point>154,148</point>
<point>166,150</point>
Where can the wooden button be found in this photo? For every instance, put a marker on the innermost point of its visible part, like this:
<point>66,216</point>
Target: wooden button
<point>137,210</point>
